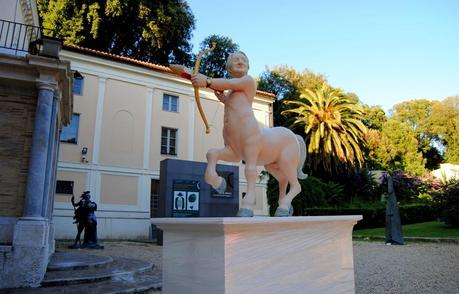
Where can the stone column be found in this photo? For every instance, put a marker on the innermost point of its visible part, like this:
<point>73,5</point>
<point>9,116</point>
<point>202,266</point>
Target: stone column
<point>51,162</point>
<point>53,173</point>
<point>35,188</point>
<point>31,233</point>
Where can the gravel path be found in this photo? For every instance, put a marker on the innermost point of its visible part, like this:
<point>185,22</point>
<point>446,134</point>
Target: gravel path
<point>412,268</point>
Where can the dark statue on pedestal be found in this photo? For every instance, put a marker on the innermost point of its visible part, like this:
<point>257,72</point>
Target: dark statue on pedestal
<point>393,224</point>
<point>85,219</point>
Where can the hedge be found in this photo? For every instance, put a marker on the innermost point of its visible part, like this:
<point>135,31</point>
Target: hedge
<point>376,217</point>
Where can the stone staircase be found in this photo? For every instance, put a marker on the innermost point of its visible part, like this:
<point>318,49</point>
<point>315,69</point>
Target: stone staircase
<point>83,273</point>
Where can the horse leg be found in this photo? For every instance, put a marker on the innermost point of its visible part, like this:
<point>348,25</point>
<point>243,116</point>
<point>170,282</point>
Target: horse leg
<point>213,156</point>
<point>295,188</point>
<point>251,173</point>
<point>276,172</point>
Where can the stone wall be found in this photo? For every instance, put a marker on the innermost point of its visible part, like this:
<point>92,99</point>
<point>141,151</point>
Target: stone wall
<point>35,100</point>
<point>16,126</point>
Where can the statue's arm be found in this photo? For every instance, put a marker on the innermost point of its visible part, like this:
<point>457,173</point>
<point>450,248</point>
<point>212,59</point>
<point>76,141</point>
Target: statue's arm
<point>245,83</point>
<point>235,84</point>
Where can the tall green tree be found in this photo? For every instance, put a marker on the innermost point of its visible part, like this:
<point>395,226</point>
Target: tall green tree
<point>214,63</point>
<point>418,115</point>
<point>397,148</point>
<point>374,117</point>
<point>156,31</point>
<point>333,128</point>
<point>286,83</point>
<point>444,121</point>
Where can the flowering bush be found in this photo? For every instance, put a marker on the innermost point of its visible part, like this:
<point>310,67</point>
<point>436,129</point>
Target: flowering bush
<point>412,189</point>
<point>447,200</point>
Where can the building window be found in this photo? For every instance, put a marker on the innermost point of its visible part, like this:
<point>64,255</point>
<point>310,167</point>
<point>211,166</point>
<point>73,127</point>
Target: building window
<point>170,103</point>
<point>69,133</point>
<point>78,82</point>
<point>168,141</point>
<point>64,187</point>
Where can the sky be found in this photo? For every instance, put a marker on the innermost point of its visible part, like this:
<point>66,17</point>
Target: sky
<point>386,52</point>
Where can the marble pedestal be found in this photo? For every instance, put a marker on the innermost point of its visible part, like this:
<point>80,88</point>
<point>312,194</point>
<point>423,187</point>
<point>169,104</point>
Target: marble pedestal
<point>258,255</point>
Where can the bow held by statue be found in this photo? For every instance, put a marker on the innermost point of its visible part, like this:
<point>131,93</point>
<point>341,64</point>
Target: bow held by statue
<point>185,72</point>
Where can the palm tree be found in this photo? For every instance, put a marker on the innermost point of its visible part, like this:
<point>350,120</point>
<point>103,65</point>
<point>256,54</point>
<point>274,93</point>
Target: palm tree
<point>333,127</point>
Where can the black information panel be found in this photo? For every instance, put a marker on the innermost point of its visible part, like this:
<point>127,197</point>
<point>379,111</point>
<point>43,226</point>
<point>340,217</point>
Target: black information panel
<point>185,200</point>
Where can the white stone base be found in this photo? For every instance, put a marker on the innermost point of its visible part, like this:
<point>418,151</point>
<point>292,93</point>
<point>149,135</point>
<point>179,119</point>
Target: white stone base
<point>258,255</point>
<point>23,264</point>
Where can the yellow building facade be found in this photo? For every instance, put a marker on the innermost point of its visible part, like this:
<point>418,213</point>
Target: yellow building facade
<point>127,117</point>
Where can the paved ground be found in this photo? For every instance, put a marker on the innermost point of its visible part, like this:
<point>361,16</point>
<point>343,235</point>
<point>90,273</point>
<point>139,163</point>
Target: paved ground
<point>412,268</point>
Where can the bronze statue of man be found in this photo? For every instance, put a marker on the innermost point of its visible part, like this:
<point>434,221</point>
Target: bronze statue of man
<point>86,220</point>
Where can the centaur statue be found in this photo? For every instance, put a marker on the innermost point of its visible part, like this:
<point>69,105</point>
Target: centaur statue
<point>278,149</point>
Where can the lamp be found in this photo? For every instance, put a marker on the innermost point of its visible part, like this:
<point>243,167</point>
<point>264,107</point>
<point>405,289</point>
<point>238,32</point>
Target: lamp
<point>77,75</point>
<point>50,47</point>
<point>84,151</point>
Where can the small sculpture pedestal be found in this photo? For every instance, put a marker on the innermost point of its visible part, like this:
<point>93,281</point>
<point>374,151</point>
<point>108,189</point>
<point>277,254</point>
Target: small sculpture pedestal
<point>258,255</point>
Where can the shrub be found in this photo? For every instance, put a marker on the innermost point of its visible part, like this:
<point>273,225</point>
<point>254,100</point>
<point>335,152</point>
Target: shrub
<point>360,186</point>
<point>408,188</point>
<point>450,204</point>
<point>314,192</point>
<point>375,216</point>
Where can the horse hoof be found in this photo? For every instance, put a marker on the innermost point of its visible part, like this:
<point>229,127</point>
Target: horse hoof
<point>245,212</point>
<point>282,212</point>
<point>222,188</point>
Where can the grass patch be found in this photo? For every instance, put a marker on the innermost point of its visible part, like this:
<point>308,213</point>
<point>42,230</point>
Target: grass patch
<point>432,229</point>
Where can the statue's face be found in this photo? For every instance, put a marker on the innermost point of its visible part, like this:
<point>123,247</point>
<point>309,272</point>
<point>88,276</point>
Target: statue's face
<point>239,65</point>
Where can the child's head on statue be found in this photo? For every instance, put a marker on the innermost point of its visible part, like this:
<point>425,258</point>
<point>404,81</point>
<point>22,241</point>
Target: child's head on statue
<point>237,64</point>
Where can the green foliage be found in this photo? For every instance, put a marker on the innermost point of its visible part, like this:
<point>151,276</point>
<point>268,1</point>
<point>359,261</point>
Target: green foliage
<point>416,114</point>
<point>155,31</point>
<point>214,63</point>
<point>447,198</point>
<point>398,148</point>
<point>360,187</point>
<point>372,159</point>
<point>374,117</point>
<point>285,82</point>
<point>444,121</point>
<point>333,128</point>
<point>451,210</point>
<point>409,188</point>
<point>435,125</point>
<point>432,229</point>
<point>314,192</point>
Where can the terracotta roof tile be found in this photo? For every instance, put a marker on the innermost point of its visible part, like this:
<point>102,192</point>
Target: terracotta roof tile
<point>157,67</point>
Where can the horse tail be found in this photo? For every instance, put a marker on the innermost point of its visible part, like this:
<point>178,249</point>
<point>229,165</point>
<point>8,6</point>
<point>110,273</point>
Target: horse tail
<point>302,145</point>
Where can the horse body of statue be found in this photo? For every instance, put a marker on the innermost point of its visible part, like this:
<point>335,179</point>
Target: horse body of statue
<point>278,149</point>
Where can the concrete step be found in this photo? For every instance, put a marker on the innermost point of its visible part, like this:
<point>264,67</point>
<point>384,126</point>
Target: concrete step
<point>124,283</point>
<point>118,267</point>
<point>62,261</point>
